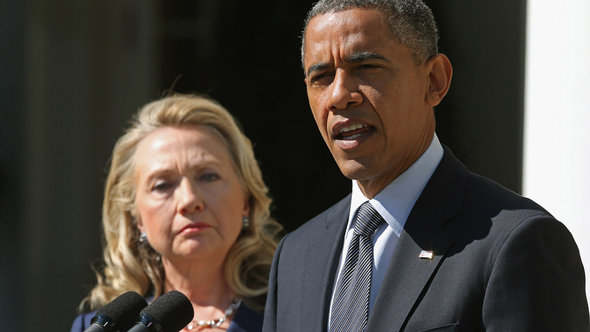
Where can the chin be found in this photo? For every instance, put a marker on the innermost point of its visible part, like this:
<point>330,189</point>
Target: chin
<point>354,170</point>
<point>190,250</point>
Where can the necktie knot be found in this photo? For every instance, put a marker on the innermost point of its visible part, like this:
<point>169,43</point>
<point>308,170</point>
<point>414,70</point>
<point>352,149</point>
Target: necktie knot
<point>367,220</point>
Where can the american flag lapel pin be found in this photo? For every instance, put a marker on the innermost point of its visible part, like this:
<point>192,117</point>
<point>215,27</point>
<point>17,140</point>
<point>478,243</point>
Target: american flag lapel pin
<point>426,254</point>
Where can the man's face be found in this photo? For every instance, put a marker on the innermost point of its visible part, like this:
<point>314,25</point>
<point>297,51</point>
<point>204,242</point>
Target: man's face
<point>367,95</point>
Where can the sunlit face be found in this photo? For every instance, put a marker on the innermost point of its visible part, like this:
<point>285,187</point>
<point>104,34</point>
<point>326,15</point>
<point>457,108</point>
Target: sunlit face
<point>367,95</point>
<point>189,199</point>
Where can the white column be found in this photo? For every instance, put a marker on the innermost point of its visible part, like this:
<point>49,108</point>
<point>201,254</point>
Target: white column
<point>556,165</point>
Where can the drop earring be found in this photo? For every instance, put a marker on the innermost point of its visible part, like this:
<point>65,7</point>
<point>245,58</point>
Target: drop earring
<point>143,238</point>
<point>245,222</point>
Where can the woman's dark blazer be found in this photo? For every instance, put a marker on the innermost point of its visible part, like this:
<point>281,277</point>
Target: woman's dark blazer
<point>246,320</point>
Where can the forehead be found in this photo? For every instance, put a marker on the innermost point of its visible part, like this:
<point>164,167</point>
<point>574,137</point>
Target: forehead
<point>165,142</point>
<point>336,34</point>
<point>171,135</point>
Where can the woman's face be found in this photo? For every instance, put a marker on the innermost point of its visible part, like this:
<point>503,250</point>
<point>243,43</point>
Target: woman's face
<point>189,199</point>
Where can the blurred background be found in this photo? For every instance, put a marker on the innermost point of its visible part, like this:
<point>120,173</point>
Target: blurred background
<point>72,72</point>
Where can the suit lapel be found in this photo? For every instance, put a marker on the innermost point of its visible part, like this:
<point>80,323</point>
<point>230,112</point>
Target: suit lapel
<point>408,274</point>
<point>322,258</point>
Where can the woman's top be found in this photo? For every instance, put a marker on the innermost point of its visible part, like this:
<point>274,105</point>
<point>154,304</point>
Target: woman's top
<point>245,320</point>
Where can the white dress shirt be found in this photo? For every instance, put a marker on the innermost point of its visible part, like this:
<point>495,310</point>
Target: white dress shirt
<point>394,204</point>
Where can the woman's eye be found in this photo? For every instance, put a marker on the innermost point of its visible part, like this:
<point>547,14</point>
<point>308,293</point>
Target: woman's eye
<point>209,177</point>
<point>161,186</point>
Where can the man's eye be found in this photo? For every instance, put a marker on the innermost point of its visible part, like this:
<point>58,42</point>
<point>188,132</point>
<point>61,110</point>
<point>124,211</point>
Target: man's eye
<point>321,77</point>
<point>209,177</point>
<point>367,66</point>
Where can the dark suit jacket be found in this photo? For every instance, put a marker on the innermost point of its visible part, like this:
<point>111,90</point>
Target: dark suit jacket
<point>501,263</point>
<point>245,320</point>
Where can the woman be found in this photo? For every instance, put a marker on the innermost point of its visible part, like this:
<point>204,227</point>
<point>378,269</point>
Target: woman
<point>185,208</point>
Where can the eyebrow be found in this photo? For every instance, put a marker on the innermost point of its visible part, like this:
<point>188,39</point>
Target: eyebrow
<point>363,56</point>
<point>317,67</point>
<point>354,58</point>
<point>163,170</point>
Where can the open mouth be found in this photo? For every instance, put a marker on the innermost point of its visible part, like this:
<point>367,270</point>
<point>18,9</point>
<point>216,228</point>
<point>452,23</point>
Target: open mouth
<point>352,132</point>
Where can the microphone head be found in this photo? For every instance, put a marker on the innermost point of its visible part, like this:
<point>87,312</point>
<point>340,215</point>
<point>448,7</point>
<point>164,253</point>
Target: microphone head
<point>172,311</point>
<point>122,312</point>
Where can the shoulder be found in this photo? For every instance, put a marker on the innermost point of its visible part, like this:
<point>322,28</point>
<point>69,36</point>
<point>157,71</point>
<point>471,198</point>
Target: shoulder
<point>507,212</point>
<point>534,263</point>
<point>508,227</point>
<point>312,243</point>
<point>478,197</point>
<point>495,195</point>
<point>486,213</point>
<point>475,191</point>
<point>332,216</point>
<point>246,320</point>
<point>82,322</point>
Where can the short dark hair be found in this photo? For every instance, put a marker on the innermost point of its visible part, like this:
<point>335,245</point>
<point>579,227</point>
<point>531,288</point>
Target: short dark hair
<point>410,21</point>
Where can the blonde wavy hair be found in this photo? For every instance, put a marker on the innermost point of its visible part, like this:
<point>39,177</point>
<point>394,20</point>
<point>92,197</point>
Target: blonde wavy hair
<point>130,265</point>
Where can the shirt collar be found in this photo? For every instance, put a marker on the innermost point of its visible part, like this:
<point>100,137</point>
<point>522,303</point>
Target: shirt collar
<point>397,199</point>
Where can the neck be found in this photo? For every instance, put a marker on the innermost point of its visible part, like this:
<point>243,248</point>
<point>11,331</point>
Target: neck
<point>373,185</point>
<point>203,284</point>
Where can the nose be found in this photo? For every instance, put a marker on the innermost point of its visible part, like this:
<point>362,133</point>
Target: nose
<point>344,92</point>
<point>189,200</point>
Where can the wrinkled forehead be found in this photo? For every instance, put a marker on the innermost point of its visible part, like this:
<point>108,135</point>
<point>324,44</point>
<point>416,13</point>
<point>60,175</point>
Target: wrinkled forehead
<point>335,35</point>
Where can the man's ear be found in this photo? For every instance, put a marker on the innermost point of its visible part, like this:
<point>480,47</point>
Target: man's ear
<point>440,74</point>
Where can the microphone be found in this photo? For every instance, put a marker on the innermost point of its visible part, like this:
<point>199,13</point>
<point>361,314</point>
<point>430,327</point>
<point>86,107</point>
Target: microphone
<point>168,313</point>
<point>119,315</point>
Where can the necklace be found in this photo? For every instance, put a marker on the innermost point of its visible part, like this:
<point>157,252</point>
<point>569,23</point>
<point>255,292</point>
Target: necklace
<point>229,313</point>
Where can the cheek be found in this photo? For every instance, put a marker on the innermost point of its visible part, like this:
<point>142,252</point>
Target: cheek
<point>390,105</point>
<point>316,98</point>
<point>320,115</point>
<point>153,215</point>
<point>321,121</point>
<point>230,214</point>
<point>233,226</point>
<point>229,225</point>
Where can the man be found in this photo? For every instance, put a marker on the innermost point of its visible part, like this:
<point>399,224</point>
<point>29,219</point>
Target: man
<point>447,250</point>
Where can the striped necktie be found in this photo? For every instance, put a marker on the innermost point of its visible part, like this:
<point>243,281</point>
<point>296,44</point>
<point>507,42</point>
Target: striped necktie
<point>350,309</point>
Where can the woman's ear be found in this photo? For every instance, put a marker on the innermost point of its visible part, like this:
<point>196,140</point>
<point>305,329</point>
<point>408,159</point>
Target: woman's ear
<point>140,227</point>
<point>440,74</point>
<point>138,222</point>
<point>246,211</point>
